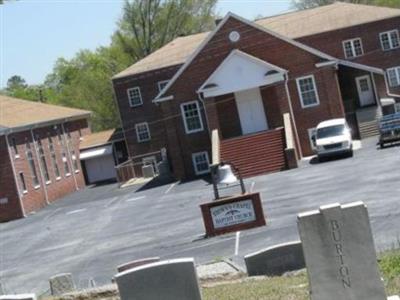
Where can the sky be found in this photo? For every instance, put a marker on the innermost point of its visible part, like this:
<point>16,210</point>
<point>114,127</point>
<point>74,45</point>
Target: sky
<point>34,33</point>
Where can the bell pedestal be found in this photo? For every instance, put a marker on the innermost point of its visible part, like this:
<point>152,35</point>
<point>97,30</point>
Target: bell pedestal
<point>233,214</point>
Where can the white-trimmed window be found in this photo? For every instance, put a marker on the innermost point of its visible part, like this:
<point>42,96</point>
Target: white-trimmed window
<point>23,183</point>
<point>191,117</point>
<point>32,167</point>
<point>390,39</point>
<point>307,91</point>
<point>201,163</point>
<point>162,85</point>
<point>134,96</point>
<point>53,156</point>
<point>312,134</point>
<point>142,132</point>
<point>353,48</point>
<point>393,75</point>
<point>15,147</point>
<point>42,160</point>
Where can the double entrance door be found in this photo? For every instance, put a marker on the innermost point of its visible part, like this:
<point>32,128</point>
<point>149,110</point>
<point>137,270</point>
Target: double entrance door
<point>251,111</point>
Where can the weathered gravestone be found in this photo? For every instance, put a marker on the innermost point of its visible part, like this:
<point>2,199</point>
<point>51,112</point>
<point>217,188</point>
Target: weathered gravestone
<point>340,254</point>
<point>18,297</point>
<point>61,284</point>
<point>166,280</point>
<point>275,260</point>
<point>137,263</point>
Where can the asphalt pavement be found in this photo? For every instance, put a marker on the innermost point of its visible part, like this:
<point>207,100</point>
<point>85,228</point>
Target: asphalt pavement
<point>92,231</point>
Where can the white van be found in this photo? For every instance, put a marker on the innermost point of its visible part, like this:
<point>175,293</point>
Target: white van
<point>333,137</point>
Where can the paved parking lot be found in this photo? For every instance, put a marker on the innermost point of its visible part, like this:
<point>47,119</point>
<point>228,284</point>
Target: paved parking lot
<point>90,232</point>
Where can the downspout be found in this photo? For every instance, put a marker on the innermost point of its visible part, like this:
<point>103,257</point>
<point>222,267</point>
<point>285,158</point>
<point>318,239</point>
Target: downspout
<point>292,114</point>
<point>205,112</point>
<point>40,168</point>
<point>15,177</point>
<point>70,158</point>
<point>120,120</point>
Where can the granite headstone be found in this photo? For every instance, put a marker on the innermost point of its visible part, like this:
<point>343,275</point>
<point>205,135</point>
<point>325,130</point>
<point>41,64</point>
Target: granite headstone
<point>61,284</point>
<point>340,254</point>
<point>166,280</point>
<point>275,260</point>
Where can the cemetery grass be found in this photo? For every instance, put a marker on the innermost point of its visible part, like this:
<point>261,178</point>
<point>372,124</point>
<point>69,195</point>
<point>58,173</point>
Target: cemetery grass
<point>289,287</point>
<point>295,287</point>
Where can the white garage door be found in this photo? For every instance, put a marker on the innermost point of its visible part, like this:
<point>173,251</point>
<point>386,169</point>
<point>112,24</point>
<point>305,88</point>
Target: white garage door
<point>100,168</point>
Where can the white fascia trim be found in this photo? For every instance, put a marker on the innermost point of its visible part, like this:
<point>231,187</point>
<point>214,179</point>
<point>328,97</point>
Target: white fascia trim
<point>326,63</point>
<point>163,99</point>
<point>245,55</point>
<point>255,25</point>
<point>350,64</point>
<point>361,67</point>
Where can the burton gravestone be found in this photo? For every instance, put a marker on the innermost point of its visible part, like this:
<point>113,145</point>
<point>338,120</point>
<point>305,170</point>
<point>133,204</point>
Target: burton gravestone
<point>340,254</point>
<point>167,280</point>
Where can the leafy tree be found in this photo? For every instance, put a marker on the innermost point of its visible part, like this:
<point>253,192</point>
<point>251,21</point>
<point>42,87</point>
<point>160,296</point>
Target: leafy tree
<point>15,82</point>
<point>304,4</point>
<point>85,82</point>
<point>146,25</point>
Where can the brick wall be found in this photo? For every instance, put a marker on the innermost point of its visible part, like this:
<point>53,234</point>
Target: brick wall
<point>34,198</point>
<point>12,208</point>
<point>148,112</point>
<point>331,43</point>
<point>273,50</point>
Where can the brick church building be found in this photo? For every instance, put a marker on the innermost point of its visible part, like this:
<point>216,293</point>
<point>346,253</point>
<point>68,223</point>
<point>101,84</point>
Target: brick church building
<point>244,79</point>
<point>39,154</point>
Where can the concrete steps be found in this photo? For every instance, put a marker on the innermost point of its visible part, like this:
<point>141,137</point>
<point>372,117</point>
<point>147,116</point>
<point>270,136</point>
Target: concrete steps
<point>367,119</point>
<point>256,154</point>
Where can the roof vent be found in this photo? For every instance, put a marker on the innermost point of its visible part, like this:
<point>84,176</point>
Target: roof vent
<point>271,72</point>
<point>210,85</point>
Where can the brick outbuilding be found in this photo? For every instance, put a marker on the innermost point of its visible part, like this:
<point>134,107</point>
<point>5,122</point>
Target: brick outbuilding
<point>261,86</point>
<point>39,154</point>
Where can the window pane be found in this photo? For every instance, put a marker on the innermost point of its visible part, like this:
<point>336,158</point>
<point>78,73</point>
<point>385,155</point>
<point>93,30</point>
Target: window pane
<point>385,41</point>
<point>357,47</point>
<point>348,49</point>
<point>142,132</point>
<point>394,36</point>
<point>201,163</point>
<point>192,117</point>
<point>393,78</point>
<point>135,98</point>
<point>23,184</point>
<point>307,91</point>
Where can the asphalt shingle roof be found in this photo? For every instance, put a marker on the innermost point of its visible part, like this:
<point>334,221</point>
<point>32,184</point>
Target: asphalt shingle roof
<point>292,25</point>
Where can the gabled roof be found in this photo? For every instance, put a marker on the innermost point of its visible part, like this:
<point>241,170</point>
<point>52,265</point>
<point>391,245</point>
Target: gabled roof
<point>292,25</point>
<point>101,138</point>
<point>17,114</point>
<point>249,72</point>
<point>326,18</point>
<point>173,53</point>
<point>304,47</point>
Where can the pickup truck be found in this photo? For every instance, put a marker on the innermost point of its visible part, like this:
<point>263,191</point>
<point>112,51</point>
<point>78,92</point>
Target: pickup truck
<point>389,129</point>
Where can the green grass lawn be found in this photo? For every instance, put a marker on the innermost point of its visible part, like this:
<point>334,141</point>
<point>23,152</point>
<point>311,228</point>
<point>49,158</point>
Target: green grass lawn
<point>294,287</point>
